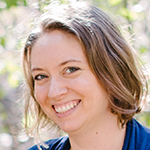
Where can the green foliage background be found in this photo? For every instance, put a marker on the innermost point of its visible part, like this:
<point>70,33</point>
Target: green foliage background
<point>16,21</point>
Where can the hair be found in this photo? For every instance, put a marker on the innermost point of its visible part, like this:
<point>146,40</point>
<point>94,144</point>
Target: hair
<point>109,56</point>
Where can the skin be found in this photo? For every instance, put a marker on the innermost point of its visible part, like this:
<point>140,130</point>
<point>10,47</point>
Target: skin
<point>63,77</point>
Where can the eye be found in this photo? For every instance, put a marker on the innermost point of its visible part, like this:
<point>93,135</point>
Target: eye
<point>72,69</point>
<point>40,77</point>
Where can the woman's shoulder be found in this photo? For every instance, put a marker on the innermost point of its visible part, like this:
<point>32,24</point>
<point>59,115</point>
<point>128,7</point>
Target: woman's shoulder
<point>137,136</point>
<point>139,129</point>
<point>61,143</point>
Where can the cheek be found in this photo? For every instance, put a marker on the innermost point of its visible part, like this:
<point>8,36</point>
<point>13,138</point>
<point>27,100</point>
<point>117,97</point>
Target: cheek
<point>89,87</point>
<point>83,85</point>
<point>80,82</point>
<point>85,82</point>
<point>40,94</point>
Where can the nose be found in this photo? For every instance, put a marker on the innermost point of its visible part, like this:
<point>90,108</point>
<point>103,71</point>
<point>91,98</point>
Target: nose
<point>57,89</point>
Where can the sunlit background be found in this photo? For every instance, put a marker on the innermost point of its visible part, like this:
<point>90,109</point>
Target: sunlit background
<point>17,18</point>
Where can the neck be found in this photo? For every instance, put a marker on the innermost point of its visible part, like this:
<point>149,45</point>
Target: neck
<point>104,135</point>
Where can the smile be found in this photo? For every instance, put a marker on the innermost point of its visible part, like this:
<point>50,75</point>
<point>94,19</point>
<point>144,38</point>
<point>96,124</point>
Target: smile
<point>66,107</point>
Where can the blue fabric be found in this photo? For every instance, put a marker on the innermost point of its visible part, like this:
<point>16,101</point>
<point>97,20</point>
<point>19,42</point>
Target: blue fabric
<point>61,143</point>
<point>137,138</point>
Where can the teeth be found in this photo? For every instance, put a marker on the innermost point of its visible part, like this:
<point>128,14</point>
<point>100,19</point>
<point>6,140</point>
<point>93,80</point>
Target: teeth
<point>65,108</point>
<point>71,105</point>
<point>75,104</point>
<point>68,107</point>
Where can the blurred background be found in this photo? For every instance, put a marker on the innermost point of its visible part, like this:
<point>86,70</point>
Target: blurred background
<point>17,18</point>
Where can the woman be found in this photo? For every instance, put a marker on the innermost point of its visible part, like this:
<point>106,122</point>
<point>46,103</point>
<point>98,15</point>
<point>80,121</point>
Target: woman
<point>83,77</point>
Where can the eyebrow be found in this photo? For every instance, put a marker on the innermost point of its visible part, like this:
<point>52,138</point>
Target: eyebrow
<point>71,60</point>
<point>63,63</point>
<point>36,69</point>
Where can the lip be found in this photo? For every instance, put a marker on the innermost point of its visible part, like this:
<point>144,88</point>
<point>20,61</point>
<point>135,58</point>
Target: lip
<point>64,114</point>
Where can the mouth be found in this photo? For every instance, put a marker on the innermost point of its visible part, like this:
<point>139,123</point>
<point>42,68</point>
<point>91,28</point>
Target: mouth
<point>66,107</point>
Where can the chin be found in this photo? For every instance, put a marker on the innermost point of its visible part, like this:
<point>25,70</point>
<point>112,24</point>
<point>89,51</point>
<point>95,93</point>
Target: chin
<point>69,127</point>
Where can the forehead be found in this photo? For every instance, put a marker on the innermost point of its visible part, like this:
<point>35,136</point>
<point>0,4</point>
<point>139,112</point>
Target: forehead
<point>53,36</point>
<point>56,46</point>
<point>53,39</point>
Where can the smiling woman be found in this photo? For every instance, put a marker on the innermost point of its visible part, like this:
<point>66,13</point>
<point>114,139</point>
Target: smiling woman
<point>60,89</point>
<point>83,77</point>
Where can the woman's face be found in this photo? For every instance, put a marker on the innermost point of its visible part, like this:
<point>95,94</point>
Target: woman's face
<point>65,87</point>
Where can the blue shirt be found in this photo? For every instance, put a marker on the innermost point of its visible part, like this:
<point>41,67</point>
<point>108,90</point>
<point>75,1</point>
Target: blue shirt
<point>137,138</point>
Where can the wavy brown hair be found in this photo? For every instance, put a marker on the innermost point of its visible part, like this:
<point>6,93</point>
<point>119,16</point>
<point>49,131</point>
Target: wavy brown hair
<point>108,54</point>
